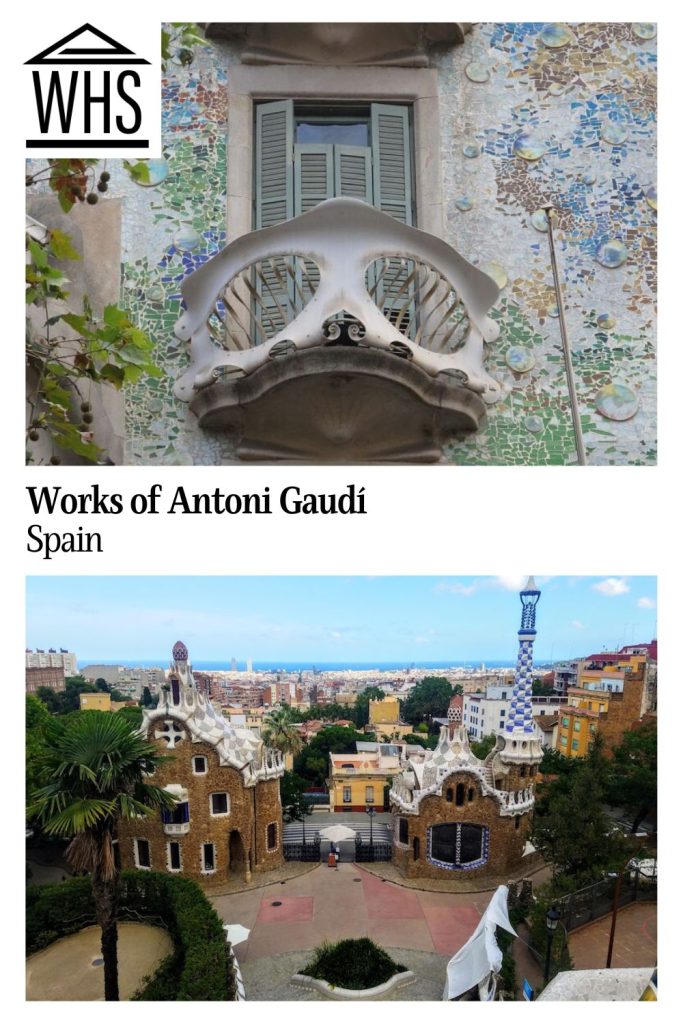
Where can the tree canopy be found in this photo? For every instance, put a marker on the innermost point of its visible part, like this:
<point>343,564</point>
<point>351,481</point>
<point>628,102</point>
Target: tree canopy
<point>633,773</point>
<point>571,828</point>
<point>428,699</point>
<point>313,763</point>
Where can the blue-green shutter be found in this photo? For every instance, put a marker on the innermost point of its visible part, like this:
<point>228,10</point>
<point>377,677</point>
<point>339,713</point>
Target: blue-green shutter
<point>393,194</point>
<point>274,163</point>
<point>274,203</point>
<point>353,172</point>
<point>391,162</point>
<point>313,175</point>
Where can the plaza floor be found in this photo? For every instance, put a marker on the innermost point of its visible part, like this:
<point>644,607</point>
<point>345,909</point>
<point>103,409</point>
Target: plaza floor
<point>421,929</point>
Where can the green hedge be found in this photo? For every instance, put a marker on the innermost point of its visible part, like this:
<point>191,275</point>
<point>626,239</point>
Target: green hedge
<point>200,966</point>
<point>352,963</point>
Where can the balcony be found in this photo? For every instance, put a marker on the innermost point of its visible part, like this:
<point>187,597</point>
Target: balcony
<point>176,828</point>
<point>339,336</point>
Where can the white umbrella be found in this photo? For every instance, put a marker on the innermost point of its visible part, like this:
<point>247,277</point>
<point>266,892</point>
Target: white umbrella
<point>235,933</point>
<point>337,833</point>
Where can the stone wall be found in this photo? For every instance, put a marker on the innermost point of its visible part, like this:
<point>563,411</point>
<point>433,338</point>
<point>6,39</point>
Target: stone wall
<point>506,843</point>
<point>251,811</point>
<point>585,109</point>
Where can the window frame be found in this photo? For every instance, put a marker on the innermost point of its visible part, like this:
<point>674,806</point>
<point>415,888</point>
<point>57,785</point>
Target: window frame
<point>457,842</point>
<point>205,870</point>
<point>136,853</point>
<point>169,844</point>
<point>197,757</point>
<point>219,814</point>
<point>276,844</point>
<point>417,86</point>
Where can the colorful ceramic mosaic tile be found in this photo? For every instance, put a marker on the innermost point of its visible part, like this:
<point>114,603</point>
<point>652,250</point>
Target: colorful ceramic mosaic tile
<point>531,114</point>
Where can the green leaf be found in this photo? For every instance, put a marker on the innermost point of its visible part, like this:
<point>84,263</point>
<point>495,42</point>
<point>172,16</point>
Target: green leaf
<point>113,374</point>
<point>115,317</point>
<point>139,171</point>
<point>79,323</point>
<point>38,254</point>
<point>61,246</point>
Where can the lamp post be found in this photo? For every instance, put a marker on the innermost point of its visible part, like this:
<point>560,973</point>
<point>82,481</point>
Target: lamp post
<point>551,920</point>
<point>370,810</point>
<point>615,907</point>
<point>566,350</point>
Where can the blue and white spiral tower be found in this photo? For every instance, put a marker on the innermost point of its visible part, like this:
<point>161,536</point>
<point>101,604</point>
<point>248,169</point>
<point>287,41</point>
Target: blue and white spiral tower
<point>520,718</point>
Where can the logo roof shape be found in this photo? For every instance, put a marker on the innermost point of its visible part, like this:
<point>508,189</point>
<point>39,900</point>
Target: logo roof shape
<point>88,48</point>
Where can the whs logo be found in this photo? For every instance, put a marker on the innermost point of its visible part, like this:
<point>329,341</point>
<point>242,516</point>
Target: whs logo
<point>95,95</point>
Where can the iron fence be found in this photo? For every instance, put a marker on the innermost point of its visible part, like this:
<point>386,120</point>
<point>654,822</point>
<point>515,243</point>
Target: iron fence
<point>597,900</point>
<point>370,852</point>
<point>302,851</point>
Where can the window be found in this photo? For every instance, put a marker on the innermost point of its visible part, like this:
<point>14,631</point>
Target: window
<point>522,771</point>
<point>369,794</point>
<point>575,744</point>
<point>565,723</point>
<point>208,857</point>
<point>403,831</point>
<point>142,854</point>
<point>577,726</point>
<point>347,794</point>
<point>199,766</point>
<point>416,848</point>
<point>459,795</point>
<point>517,819</point>
<point>449,795</point>
<point>563,741</point>
<point>458,845</point>
<point>174,857</point>
<point>220,803</point>
<point>179,815</point>
<point>306,153</point>
<point>271,836</point>
<point>470,795</point>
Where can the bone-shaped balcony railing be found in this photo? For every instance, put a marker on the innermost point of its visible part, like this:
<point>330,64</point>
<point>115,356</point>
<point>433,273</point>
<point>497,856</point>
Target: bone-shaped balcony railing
<point>290,287</point>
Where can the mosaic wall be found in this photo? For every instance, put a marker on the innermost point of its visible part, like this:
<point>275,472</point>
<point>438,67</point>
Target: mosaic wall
<point>530,114</point>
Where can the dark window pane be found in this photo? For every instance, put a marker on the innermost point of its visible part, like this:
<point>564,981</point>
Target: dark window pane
<point>143,853</point>
<point>348,134</point>
<point>219,803</point>
<point>208,857</point>
<point>416,848</point>
<point>272,837</point>
<point>200,765</point>
<point>443,843</point>
<point>174,850</point>
<point>460,794</point>
<point>471,839</point>
<point>403,830</point>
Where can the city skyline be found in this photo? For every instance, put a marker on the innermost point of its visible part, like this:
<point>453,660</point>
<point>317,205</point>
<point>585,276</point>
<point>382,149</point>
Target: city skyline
<point>385,619</point>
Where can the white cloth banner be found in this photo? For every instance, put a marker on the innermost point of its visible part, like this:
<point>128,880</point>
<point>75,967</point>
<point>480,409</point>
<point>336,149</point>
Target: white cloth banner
<point>480,956</point>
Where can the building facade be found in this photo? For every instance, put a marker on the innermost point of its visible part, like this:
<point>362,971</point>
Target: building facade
<point>483,124</point>
<point>455,813</point>
<point>52,678</point>
<point>227,822</point>
<point>357,781</point>
<point>66,660</point>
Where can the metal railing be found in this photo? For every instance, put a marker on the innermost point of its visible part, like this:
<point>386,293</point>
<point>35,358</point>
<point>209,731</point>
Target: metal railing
<point>595,901</point>
<point>302,851</point>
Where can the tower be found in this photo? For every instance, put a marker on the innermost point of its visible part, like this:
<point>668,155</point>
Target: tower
<point>519,743</point>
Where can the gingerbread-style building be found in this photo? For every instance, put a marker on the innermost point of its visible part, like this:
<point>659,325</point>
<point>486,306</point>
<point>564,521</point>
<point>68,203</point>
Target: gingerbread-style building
<point>455,813</point>
<point>227,822</point>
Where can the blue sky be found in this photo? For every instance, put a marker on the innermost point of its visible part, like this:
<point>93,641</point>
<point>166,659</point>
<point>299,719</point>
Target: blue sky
<point>323,618</point>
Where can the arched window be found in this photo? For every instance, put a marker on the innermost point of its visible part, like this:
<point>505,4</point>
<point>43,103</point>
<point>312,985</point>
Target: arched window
<point>449,795</point>
<point>522,771</point>
<point>470,795</point>
<point>458,845</point>
<point>271,836</point>
<point>416,848</point>
<point>517,820</point>
<point>459,795</point>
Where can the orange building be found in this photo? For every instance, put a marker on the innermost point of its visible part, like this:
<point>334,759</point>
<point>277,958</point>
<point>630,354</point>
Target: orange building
<point>609,702</point>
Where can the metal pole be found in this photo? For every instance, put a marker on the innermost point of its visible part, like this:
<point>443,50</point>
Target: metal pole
<point>615,908</point>
<point>569,370</point>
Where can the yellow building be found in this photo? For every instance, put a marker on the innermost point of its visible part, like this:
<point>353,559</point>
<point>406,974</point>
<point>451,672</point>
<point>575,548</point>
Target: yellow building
<point>607,702</point>
<point>385,711</point>
<point>95,701</point>
<point>357,781</point>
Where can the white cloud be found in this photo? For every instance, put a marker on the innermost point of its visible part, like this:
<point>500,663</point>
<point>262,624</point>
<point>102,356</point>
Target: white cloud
<point>455,588</point>
<point>612,587</point>
<point>577,624</point>
<point>511,582</point>
<point>646,602</point>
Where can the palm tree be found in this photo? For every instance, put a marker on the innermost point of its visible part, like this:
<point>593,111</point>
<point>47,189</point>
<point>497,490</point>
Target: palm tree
<point>91,773</point>
<point>279,732</point>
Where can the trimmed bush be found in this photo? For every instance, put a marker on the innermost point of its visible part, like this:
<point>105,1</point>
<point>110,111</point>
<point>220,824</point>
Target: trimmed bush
<point>200,966</point>
<point>352,963</point>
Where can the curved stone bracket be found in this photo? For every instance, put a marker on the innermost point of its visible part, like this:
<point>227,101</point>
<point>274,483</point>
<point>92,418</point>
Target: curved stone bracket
<point>343,237</point>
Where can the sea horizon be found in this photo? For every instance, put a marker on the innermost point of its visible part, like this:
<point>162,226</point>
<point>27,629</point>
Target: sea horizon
<point>307,665</point>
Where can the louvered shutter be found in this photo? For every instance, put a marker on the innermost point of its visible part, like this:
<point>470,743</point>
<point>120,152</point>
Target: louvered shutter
<point>313,175</point>
<point>393,194</point>
<point>274,204</point>
<point>353,172</point>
